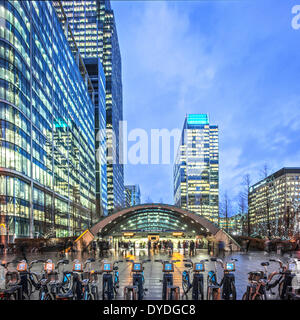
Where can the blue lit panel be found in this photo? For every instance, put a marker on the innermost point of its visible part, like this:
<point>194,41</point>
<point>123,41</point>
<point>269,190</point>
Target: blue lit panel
<point>197,119</point>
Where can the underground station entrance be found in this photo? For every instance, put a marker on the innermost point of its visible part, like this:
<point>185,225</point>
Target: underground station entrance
<point>155,222</point>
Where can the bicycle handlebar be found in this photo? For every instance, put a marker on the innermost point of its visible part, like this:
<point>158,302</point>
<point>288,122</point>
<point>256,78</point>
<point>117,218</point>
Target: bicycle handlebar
<point>167,261</point>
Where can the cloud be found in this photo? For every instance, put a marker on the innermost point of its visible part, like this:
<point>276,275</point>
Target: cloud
<point>237,61</point>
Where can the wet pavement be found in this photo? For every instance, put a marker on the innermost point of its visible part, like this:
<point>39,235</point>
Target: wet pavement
<point>153,270</point>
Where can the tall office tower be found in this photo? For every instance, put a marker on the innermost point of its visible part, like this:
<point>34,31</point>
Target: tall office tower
<point>47,144</point>
<point>96,73</point>
<point>132,196</point>
<point>94,29</point>
<point>196,170</point>
<point>274,205</point>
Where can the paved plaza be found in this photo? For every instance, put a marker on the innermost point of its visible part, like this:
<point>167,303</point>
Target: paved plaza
<point>153,270</point>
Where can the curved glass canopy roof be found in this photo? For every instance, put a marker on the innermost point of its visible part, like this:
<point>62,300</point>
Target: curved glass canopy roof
<point>154,219</point>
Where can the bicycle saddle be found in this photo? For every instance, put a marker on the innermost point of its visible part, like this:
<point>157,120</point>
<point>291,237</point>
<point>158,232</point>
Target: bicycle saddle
<point>214,286</point>
<point>265,264</point>
<point>131,287</point>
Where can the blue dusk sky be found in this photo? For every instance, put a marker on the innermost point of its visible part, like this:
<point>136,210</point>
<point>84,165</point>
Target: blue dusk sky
<point>238,61</point>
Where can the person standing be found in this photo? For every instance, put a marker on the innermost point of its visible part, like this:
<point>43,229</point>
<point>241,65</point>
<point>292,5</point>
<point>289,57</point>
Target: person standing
<point>248,245</point>
<point>192,248</point>
<point>171,247</point>
<point>221,247</point>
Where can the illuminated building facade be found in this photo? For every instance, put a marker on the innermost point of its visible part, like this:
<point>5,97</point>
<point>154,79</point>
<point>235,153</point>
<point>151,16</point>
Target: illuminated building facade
<point>132,195</point>
<point>47,127</point>
<point>274,205</point>
<point>96,74</point>
<point>94,29</point>
<point>235,225</point>
<point>196,170</point>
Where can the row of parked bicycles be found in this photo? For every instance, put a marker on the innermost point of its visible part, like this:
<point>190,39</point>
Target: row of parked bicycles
<point>281,284</point>
<point>53,282</point>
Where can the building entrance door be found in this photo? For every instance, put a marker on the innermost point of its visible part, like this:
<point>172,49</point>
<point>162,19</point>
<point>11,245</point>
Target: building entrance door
<point>153,238</point>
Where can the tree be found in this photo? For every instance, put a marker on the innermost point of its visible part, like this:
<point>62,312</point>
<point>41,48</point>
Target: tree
<point>245,195</point>
<point>225,209</point>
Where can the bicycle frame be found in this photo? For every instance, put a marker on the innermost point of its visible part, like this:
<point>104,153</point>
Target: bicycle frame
<point>110,283</point>
<point>138,278</point>
<point>197,283</point>
<point>167,278</point>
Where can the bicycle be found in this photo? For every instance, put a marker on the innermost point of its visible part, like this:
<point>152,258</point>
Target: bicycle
<point>288,271</point>
<point>138,281</point>
<point>29,280</point>
<point>169,291</point>
<point>89,282</point>
<point>13,289</point>
<point>226,288</point>
<point>198,284</point>
<point>50,285</point>
<point>110,280</point>
<point>258,284</point>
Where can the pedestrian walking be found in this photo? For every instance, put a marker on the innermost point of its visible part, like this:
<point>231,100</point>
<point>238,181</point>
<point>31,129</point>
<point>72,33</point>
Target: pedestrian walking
<point>230,246</point>
<point>267,246</point>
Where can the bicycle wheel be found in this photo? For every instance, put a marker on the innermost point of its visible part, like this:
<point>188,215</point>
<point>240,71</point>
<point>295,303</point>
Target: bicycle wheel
<point>201,291</point>
<point>107,291</point>
<point>170,295</point>
<point>95,295</point>
<point>281,290</point>
<point>233,291</point>
<point>87,296</point>
<point>210,294</point>
<point>44,296</point>
<point>128,296</point>
<point>213,294</point>
<point>116,283</point>
<point>185,286</point>
<point>104,291</point>
<point>27,295</point>
<point>245,296</point>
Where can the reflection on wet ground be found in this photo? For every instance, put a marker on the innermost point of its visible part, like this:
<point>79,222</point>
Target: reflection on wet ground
<point>153,270</point>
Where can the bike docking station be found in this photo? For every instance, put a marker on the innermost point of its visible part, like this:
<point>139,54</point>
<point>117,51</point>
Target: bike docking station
<point>85,287</point>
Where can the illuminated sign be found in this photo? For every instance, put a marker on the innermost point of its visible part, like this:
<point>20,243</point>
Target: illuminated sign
<point>177,234</point>
<point>197,119</point>
<point>128,234</point>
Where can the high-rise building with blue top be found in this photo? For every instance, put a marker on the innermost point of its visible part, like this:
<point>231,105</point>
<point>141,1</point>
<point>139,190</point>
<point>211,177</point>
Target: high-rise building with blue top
<point>196,170</point>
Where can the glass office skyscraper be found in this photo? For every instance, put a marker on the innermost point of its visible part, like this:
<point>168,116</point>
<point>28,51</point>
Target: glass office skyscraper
<point>47,127</point>
<point>95,70</point>
<point>94,29</point>
<point>132,195</point>
<point>196,170</point>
